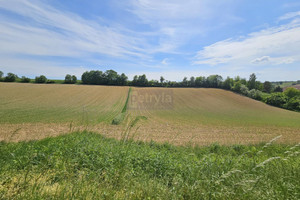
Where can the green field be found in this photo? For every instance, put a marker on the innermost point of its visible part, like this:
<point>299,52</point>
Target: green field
<point>89,166</point>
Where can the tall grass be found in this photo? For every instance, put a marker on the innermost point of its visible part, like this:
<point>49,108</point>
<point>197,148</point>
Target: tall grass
<point>84,165</point>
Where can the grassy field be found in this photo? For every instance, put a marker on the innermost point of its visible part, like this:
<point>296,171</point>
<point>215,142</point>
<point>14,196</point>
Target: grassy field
<point>89,166</point>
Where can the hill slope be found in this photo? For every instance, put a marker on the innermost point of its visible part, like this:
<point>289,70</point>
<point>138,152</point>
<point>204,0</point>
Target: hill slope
<point>212,115</point>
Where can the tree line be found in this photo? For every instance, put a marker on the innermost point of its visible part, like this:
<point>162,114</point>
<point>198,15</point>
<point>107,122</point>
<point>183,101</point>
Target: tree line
<point>263,91</point>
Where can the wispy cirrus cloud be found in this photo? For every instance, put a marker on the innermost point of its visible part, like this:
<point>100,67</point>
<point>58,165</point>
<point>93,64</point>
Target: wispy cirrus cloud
<point>276,45</point>
<point>52,32</point>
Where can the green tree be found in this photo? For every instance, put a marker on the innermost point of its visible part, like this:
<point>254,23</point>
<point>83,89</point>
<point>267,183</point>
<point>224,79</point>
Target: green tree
<point>185,82</point>
<point>278,89</point>
<point>1,75</point>
<point>237,86</point>
<point>10,77</point>
<point>40,79</point>
<point>192,82</point>
<point>267,86</point>
<point>68,79</point>
<point>25,79</point>
<point>228,83</point>
<point>162,79</point>
<point>251,83</point>
<point>122,80</point>
<point>74,79</point>
<point>214,81</point>
<point>200,81</point>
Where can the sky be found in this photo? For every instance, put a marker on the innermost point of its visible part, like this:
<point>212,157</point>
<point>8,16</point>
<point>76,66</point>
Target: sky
<point>169,38</point>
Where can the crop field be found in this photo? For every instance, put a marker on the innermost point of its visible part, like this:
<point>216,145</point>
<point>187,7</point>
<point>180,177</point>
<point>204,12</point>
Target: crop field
<point>204,116</point>
<point>33,111</point>
<point>180,116</point>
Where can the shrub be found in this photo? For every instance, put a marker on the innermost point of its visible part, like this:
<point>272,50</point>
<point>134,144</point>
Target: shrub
<point>237,86</point>
<point>244,90</point>
<point>292,92</point>
<point>40,79</point>
<point>255,94</point>
<point>50,81</point>
<point>293,104</point>
<point>278,89</point>
<point>10,77</point>
<point>25,79</point>
<point>277,99</point>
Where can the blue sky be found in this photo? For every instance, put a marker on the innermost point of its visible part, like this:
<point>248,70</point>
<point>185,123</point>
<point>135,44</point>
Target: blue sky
<point>171,38</point>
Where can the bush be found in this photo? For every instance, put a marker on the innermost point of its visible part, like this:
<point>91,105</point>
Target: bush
<point>292,92</point>
<point>277,99</point>
<point>25,79</point>
<point>278,89</point>
<point>40,79</point>
<point>293,104</point>
<point>244,90</point>
<point>50,81</point>
<point>255,94</point>
<point>10,77</point>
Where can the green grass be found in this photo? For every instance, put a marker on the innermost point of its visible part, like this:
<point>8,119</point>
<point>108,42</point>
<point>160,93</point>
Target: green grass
<point>121,116</point>
<point>89,166</point>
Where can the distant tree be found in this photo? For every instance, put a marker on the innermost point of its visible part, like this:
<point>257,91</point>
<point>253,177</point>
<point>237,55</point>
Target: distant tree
<point>40,79</point>
<point>192,82</point>
<point>267,86</point>
<point>10,77</point>
<point>200,81</point>
<point>70,79</point>
<point>122,79</point>
<point>214,81</point>
<point>251,83</point>
<point>25,79</point>
<point>74,79</point>
<point>111,77</point>
<point>185,82</point>
<point>162,79</point>
<point>228,83</point>
<point>278,89</point>
<point>1,75</point>
<point>237,86</point>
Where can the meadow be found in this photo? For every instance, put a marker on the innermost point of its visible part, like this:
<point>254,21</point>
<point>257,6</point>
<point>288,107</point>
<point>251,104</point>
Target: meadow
<point>84,165</point>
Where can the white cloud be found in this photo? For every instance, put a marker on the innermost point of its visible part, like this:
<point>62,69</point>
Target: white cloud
<point>289,15</point>
<point>279,45</point>
<point>51,32</point>
<point>261,60</point>
<point>165,61</point>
